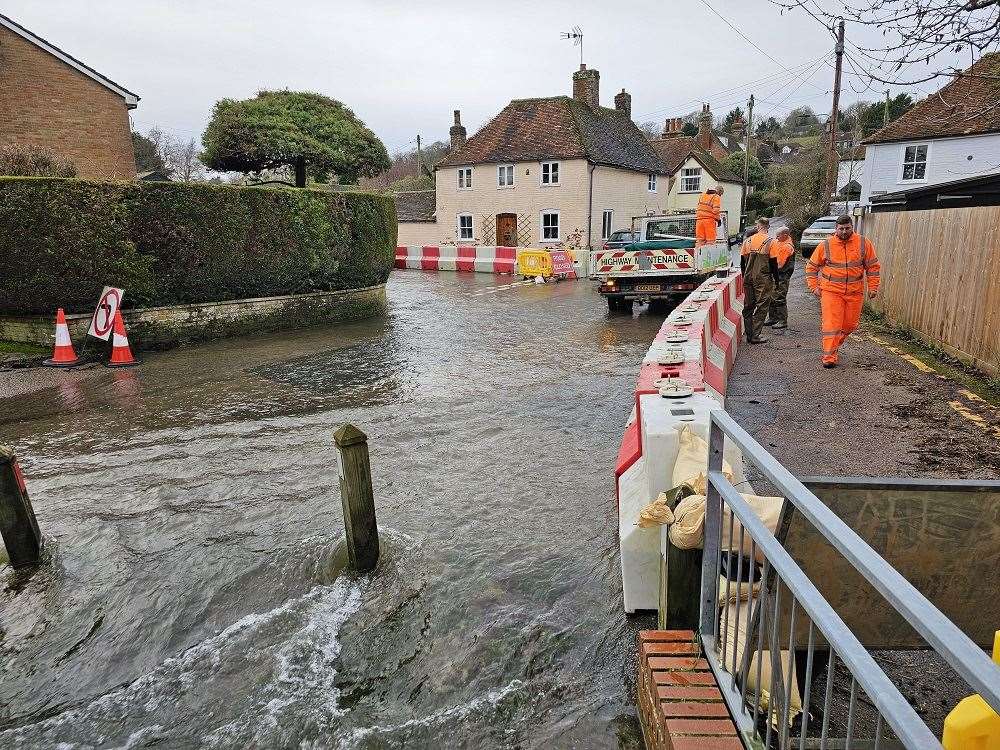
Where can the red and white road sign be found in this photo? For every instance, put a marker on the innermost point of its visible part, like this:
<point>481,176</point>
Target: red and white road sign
<point>103,321</point>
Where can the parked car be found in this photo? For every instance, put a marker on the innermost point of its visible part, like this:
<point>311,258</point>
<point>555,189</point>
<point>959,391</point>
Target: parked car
<point>620,239</point>
<point>815,233</point>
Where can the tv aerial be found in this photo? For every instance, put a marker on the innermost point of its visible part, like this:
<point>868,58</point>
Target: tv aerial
<point>577,36</point>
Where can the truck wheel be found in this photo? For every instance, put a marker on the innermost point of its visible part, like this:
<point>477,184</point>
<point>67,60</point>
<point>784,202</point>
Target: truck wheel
<point>626,306</point>
<point>613,304</point>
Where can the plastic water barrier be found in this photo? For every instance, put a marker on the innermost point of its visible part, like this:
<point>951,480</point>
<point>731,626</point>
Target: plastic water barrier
<point>469,258</point>
<point>706,331</point>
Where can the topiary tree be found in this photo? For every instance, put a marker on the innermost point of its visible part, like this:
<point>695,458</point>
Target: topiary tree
<point>311,133</point>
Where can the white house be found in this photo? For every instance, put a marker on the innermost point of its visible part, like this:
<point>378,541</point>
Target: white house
<point>951,135</point>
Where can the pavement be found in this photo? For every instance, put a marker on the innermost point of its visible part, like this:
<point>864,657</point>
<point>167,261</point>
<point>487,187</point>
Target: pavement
<point>884,411</point>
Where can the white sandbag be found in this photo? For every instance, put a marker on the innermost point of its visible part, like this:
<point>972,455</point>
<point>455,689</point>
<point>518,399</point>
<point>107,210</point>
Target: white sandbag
<point>688,528</point>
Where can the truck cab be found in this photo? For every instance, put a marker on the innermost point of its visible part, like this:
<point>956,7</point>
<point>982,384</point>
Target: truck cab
<point>662,267</point>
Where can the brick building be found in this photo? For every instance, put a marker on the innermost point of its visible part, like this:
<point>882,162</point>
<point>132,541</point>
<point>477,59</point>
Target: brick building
<point>51,100</point>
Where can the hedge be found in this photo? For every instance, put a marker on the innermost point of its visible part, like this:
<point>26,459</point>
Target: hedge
<point>62,240</point>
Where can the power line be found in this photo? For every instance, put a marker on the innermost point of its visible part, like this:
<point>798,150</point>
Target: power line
<point>745,37</point>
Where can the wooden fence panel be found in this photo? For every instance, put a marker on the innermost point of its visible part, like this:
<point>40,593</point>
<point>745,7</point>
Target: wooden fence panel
<point>941,278</point>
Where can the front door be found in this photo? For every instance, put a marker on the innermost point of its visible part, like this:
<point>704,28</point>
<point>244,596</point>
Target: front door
<point>506,230</point>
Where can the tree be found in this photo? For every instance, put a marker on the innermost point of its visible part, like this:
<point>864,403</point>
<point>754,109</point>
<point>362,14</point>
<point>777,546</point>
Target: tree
<point>802,185</point>
<point>733,117</point>
<point>736,163</point>
<point>768,128</point>
<point>650,129</point>
<point>801,117</point>
<point>313,134</point>
<point>914,32</point>
<point>872,117</point>
<point>689,129</point>
<point>147,156</point>
<point>32,161</point>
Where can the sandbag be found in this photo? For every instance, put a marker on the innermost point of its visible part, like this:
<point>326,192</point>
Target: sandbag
<point>740,607</point>
<point>691,466</point>
<point>657,513</point>
<point>688,528</point>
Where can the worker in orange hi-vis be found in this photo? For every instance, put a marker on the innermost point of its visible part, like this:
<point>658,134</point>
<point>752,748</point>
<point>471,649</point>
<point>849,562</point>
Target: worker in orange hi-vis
<point>708,216</point>
<point>836,273</point>
<point>782,268</point>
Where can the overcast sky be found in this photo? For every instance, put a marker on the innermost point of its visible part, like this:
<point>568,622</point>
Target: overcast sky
<point>404,66</point>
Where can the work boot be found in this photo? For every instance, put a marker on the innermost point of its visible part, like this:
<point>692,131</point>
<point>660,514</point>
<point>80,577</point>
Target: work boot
<point>758,340</point>
<point>778,324</point>
<point>769,322</point>
<point>829,365</point>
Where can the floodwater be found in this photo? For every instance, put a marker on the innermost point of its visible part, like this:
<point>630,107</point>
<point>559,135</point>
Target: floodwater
<point>193,593</point>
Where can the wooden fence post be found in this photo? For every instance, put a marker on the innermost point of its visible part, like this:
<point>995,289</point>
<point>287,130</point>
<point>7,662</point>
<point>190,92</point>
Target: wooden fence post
<point>356,494</point>
<point>18,526</point>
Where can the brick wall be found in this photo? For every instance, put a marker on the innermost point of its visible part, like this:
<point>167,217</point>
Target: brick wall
<point>44,102</point>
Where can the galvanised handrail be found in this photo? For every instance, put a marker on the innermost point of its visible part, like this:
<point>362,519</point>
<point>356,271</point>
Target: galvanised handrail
<point>900,715</point>
<point>964,656</point>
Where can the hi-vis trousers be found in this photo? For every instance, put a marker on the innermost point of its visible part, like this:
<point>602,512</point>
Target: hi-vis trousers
<point>841,313</point>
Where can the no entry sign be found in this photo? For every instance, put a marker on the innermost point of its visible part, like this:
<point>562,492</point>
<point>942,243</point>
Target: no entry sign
<point>104,316</point>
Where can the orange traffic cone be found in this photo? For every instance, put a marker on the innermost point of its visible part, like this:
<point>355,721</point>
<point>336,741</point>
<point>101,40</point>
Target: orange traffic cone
<point>63,354</point>
<point>121,355</point>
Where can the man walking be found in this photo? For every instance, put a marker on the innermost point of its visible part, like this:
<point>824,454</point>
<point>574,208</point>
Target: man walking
<point>836,274</point>
<point>758,283</point>
<point>782,268</point>
<point>708,216</point>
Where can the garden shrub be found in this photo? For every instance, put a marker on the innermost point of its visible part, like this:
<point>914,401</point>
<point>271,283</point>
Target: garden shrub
<point>62,240</point>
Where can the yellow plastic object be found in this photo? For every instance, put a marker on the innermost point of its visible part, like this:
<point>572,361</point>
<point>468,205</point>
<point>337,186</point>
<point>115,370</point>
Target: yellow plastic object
<point>972,724</point>
<point>534,262</point>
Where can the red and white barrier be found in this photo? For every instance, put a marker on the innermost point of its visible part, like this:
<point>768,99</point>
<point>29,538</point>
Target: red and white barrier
<point>470,258</point>
<point>708,325</point>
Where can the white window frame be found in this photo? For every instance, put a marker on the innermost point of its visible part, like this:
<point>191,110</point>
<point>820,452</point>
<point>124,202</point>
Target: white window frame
<point>500,170</point>
<point>541,225</point>
<point>465,172</point>
<point>903,162</point>
<point>472,226</point>
<point>651,182</point>
<point>685,178</point>
<point>607,223</point>
<point>541,174</point>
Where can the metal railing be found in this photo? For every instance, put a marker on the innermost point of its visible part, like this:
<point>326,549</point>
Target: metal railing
<point>784,615</point>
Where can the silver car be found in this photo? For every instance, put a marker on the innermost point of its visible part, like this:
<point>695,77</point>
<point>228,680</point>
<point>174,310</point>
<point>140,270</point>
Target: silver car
<point>816,232</point>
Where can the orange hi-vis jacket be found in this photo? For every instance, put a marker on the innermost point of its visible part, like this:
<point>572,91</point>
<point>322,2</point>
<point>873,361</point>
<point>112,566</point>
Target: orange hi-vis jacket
<point>709,206</point>
<point>839,266</point>
<point>758,243</point>
<point>782,251</point>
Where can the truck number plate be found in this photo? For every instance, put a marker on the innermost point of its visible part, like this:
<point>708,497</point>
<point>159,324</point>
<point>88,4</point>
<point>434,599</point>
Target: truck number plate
<point>647,287</point>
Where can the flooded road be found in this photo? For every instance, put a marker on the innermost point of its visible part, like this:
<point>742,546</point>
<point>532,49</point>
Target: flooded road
<point>193,594</point>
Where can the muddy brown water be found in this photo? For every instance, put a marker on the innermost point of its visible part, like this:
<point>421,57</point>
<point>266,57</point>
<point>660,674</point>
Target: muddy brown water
<point>193,593</point>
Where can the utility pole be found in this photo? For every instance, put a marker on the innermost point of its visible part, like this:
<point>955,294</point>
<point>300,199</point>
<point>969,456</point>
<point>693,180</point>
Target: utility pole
<point>885,113</point>
<point>831,157</point>
<point>420,159</point>
<point>746,161</point>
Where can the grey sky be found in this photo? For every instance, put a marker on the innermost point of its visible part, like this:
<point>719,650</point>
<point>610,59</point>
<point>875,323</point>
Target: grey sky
<point>404,66</point>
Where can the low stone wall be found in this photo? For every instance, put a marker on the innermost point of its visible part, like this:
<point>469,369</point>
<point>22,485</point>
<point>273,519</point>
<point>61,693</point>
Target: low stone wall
<point>155,327</point>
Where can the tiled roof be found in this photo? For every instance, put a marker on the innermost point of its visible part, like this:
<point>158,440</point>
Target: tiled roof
<point>558,127</point>
<point>967,105</point>
<point>415,205</point>
<point>675,150</point>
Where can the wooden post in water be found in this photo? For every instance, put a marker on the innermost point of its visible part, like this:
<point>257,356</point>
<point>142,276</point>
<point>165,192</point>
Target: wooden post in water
<point>356,494</point>
<point>18,526</point>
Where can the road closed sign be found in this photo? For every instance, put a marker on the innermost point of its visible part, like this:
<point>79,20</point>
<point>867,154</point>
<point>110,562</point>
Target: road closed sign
<point>104,316</point>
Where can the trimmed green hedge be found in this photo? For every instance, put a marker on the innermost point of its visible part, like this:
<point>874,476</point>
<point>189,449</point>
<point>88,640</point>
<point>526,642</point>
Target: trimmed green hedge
<point>62,240</point>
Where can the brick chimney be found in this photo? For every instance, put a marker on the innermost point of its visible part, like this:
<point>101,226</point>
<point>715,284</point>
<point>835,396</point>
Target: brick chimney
<point>704,137</point>
<point>672,127</point>
<point>457,131</point>
<point>623,103</point>
<point>587,86</point>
